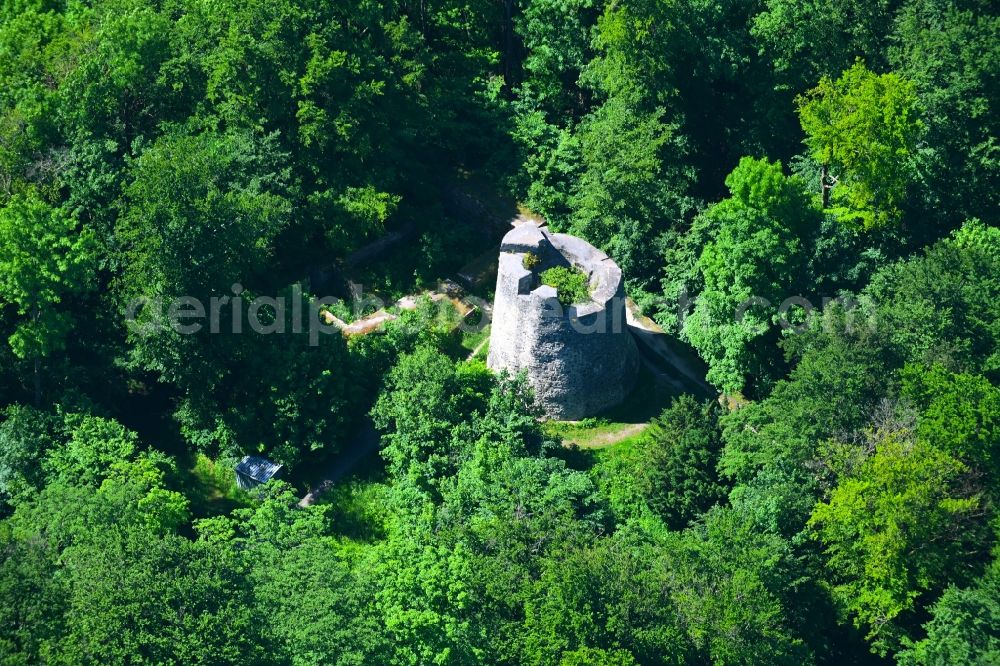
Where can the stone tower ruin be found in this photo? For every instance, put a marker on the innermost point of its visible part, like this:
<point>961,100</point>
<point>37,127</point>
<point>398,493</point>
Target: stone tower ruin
<point>579,359</point>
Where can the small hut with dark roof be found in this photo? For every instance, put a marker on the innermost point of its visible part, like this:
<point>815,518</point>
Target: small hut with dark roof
<point>255,470</point>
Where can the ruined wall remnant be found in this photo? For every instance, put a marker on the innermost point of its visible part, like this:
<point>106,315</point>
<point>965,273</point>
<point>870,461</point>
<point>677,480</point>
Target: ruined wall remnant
<point>579,359</point>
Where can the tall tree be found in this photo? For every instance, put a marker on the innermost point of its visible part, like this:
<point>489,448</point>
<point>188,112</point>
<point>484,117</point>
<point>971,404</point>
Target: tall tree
<point>959,413</point>
<point>863,128</point>
<point>964,627</point>
<point>942,304</point>
<point>680,451</point>
<point>753,263</point>
<point>804,40</point>
<point>426,396</point>
<point>26,436</point>
<point>896,530</point>
<point>44,259</point>
<point>950,51</point>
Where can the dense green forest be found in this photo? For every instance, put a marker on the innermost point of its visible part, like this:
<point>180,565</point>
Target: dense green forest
<point>837,505</point>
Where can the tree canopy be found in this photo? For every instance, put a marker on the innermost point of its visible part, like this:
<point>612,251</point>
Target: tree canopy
<point>236,229</point>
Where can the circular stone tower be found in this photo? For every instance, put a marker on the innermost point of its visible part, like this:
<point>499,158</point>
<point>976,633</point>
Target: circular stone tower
<point>579,359</point>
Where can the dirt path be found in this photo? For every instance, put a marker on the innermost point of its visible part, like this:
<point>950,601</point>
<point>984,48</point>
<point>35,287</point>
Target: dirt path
<point>363,443</point>
<point>478,349</point>
<point>446,291</point>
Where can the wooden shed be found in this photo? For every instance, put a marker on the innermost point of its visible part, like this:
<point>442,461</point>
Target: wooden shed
<point>255,470</point>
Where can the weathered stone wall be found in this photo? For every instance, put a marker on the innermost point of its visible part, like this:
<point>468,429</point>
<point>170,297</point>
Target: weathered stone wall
<point>579,359</point>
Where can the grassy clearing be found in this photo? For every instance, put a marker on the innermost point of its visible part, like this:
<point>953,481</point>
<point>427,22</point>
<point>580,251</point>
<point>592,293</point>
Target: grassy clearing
<point>474,342</point>
<point>594,433</point>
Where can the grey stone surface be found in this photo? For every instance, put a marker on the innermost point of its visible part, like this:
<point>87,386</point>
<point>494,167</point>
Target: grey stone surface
<point>579,359</point>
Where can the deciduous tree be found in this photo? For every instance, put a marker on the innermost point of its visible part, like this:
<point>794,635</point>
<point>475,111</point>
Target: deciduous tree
<point>863,128</point>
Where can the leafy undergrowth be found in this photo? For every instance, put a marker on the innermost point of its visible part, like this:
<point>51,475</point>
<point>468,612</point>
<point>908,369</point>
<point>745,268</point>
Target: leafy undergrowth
<point>212,488</point>
<point>570,283</point>
<point>358,509</point>
<point>613,471</point>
